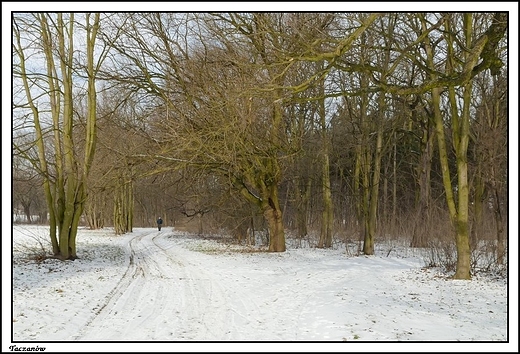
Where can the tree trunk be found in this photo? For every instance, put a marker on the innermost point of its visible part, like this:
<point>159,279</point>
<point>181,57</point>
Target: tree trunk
<point>463,244</point>
<point>27,211</point>
<point>423,213</point>
<point>458,217</point>
<point>461,142</point>
<point>94,209</point>
<point>498,220</point>
<point>123,206</point>
<point>366,158</point>
<point>370,233</point>
<point>302,197</point>
<point>394,187</point>
<point>325,240</point>
<point>273,216</point>
<point>478,207</point>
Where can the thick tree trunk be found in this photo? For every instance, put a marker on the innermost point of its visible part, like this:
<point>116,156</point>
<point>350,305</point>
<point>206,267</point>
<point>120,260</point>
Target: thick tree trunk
<point>273,216</point>
<point>458,217</point>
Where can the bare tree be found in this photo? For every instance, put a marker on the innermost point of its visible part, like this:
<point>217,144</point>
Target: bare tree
<point>53,35</point>
<point>489,133</point>
<point>463,61</point>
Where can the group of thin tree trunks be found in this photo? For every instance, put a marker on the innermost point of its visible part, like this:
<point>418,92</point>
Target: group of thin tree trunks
<point>348,126</point>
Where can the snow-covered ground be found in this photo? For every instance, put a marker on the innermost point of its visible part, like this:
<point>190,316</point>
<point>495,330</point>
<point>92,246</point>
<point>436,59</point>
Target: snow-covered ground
<point>171,291</point>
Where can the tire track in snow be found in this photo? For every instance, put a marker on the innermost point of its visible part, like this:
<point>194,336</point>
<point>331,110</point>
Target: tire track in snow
<point>113,296</point>
<point>159,294</point>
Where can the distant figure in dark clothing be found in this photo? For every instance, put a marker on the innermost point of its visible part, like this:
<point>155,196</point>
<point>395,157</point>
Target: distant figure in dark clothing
<point>159,223</point>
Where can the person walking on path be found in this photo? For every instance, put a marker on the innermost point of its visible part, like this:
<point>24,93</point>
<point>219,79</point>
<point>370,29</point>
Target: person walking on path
<point>159,223</point>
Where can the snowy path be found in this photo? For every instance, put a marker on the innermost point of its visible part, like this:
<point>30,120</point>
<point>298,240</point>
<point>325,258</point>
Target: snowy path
<point>160,296</point>
<point>176,290</point>
<point>172,286</point>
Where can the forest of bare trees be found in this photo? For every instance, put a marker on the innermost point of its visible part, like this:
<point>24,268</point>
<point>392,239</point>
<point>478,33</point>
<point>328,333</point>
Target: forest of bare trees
<point>325,128</point>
